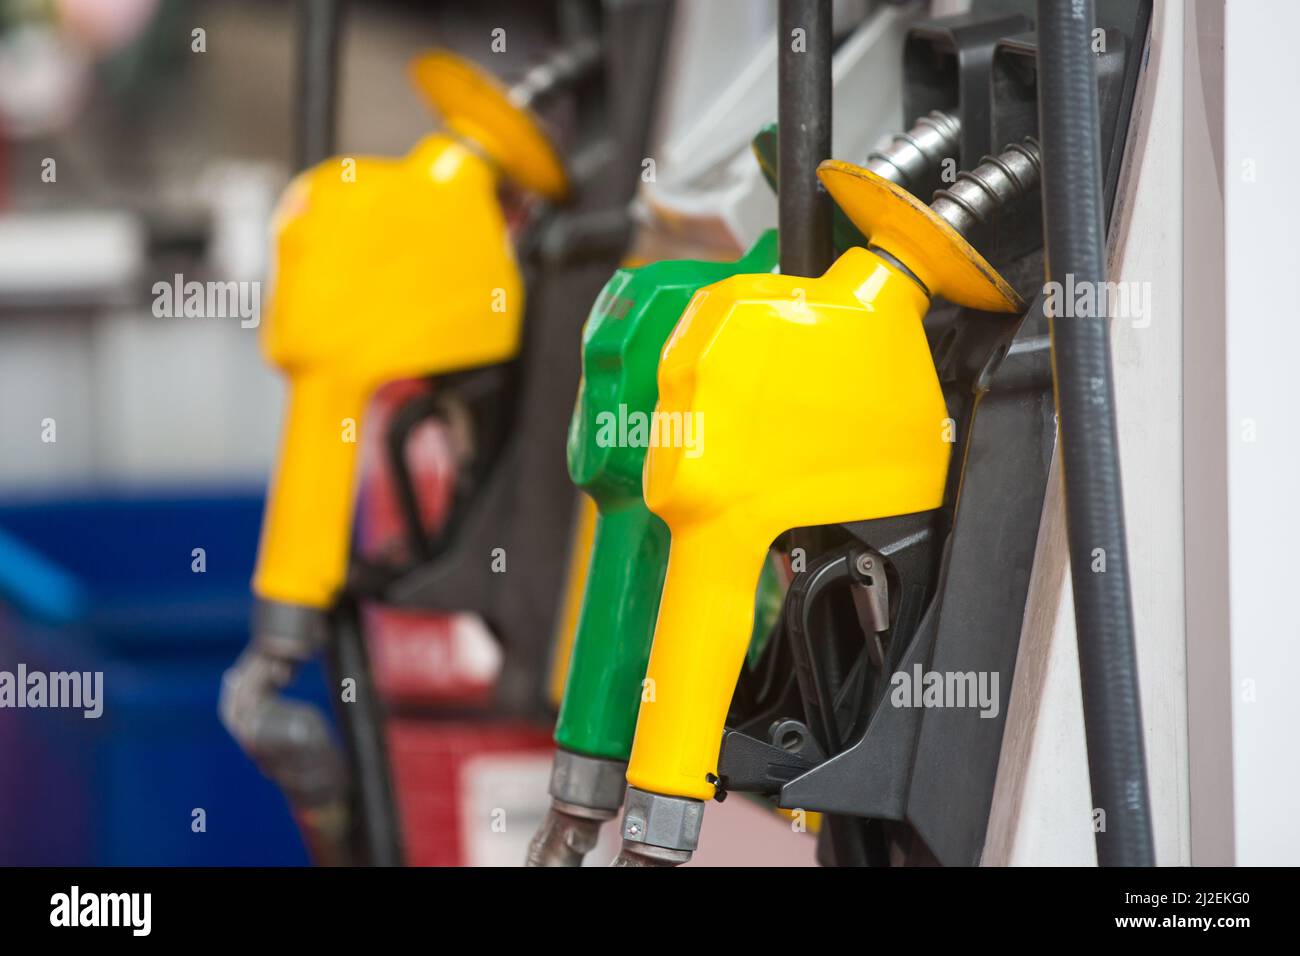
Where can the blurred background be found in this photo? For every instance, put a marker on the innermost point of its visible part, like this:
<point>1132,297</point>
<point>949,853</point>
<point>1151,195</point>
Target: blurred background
<point>129,155</point>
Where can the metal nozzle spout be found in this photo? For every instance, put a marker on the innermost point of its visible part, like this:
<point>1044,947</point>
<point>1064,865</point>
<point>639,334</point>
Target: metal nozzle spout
<point>585,792</point>
<point>643,854</point>
<point>563,839</point>
<point>290,740</point>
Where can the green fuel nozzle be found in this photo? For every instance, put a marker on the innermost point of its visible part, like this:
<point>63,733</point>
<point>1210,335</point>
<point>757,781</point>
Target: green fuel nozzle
<point>613,425</point>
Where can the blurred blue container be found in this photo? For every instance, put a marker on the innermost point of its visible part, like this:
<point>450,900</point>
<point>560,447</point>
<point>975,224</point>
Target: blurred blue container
<point>105,583</point>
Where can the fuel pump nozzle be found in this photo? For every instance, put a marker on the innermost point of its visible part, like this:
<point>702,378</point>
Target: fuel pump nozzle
<point>626,331</point>
<point>862,438</point>
<point>386,268</point>
<point>611,427</point>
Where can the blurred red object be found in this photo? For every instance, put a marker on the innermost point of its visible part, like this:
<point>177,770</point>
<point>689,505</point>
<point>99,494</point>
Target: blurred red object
<point>470,789</point>
<point>432,766</point>
<point>419,658</point>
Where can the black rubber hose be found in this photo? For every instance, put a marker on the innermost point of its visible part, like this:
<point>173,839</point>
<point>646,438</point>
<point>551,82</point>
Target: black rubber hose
<point>316,78</point>
<point>1085,403</point>
<point>363,721</point>
<point>806,235</point>
<point>804,87</point>
<point>320,25</point>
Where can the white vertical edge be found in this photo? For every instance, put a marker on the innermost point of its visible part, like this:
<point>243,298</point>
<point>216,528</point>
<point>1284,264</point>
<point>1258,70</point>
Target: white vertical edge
<point>1261,259</point>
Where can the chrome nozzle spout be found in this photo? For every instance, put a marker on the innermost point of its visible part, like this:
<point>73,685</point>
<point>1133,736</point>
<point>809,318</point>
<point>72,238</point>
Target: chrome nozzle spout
<point>642,854</point>
<point>563,840</point>
<point>290,740</point>
<point>585,792</point>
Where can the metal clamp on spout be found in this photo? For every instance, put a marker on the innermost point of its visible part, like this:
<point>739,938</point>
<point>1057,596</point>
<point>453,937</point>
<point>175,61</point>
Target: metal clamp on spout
<point>659,830</point>
<point>585,792</point>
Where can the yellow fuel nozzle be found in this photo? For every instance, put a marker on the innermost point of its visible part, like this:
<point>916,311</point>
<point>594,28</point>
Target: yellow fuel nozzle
<point>813,401</point>
<point>387,268</point>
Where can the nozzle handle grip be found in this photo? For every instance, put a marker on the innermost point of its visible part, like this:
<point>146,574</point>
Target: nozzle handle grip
<point>629,558</point>
<point>307,527</point>
<point>706,616</point>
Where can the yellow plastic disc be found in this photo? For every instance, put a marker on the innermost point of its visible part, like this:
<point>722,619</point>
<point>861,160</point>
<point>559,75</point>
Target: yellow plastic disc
<point>896,221</point>
<point>475,105</point>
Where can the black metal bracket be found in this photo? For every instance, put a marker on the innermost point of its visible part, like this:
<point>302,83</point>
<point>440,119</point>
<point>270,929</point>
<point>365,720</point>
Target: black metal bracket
<point>934,768</point>
<point>946,66</point>
<point>834,683</point>
<point>1015,91</point>
<point>751,765</point>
